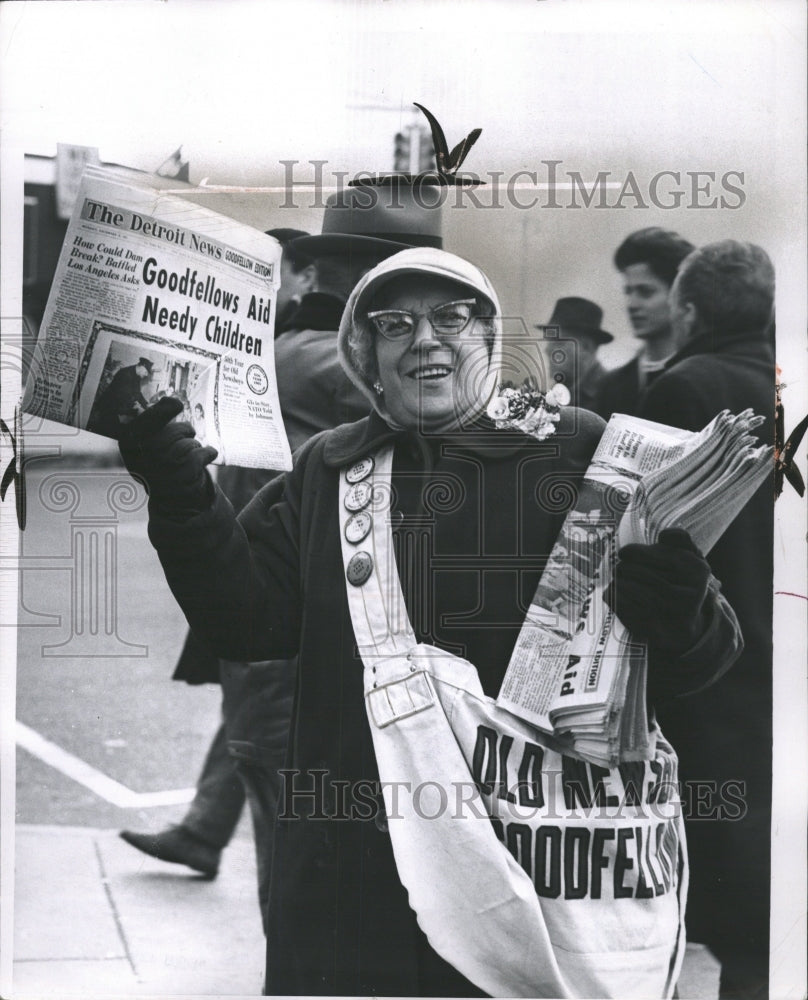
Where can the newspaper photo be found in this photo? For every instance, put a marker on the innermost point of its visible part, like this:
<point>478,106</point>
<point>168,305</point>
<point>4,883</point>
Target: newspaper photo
<point>155,297</point>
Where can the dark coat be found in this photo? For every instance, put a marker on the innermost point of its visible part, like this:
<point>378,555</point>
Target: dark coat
<point>586,391</point>
<point>724,734</point>
<point>314,392</point>
<point>619,390</point>
<point>476,515</point>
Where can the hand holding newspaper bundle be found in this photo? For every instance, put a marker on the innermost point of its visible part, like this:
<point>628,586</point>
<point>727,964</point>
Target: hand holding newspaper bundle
<point>575,671</point>
<point>155,296</point>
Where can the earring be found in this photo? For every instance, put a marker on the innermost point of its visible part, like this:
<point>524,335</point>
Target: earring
<point>378,387</point>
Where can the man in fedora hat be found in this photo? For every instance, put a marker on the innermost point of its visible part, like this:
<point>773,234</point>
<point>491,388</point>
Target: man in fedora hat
<point>362,226</point>
<point>298,276</point>
<point>577,365</point>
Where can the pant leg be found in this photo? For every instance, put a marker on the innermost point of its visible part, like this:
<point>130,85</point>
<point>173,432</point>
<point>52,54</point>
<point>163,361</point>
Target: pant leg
<point>258,697</point>
<point>215,811</point>
<point>258,771</point>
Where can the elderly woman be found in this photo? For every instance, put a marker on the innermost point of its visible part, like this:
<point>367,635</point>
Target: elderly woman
<point>396,560</point>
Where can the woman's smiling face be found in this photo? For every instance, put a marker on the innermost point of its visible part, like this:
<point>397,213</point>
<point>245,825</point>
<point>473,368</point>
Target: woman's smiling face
<point>431,380</point>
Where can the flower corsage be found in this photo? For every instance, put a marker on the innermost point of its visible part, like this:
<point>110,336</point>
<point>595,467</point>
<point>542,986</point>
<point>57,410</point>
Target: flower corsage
<point>526,408</point>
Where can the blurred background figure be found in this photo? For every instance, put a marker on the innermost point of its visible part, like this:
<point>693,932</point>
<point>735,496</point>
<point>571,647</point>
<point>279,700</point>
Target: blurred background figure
<point>648,261</point>
<point>721,308</point>
<point>576,364</point>
<point>298,276</point>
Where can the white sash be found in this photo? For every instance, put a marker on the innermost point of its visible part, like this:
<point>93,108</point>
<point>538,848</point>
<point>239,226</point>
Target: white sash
<point>582,902</point>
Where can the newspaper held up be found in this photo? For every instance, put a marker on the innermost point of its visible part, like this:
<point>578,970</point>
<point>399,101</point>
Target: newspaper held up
<point>155,296</point>
<point>575,671</point>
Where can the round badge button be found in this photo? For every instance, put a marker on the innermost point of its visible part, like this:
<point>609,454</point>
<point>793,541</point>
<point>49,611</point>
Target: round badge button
<point>361,470</point>
<point>359,568</point>
<point>358,496</point>
<point>358,526</point>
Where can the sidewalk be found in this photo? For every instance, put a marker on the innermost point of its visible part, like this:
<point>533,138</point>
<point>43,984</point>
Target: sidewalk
<point>97,919</point>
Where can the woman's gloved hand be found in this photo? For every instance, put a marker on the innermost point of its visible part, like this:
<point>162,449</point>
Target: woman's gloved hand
<point>661,592</point>
<point>167,457</point>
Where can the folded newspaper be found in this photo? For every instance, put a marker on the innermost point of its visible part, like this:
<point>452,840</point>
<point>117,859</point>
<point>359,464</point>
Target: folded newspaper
<point>156,296</point>
<point>575,671</point>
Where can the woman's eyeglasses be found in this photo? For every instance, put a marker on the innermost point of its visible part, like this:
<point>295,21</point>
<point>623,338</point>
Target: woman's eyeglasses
<point>447,320</point>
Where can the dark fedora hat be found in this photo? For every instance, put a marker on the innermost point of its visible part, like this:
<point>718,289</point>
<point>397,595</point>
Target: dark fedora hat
<point>146,363</point>
<point>285,235</point>
<point>376,219</point>
<point>577,315</point>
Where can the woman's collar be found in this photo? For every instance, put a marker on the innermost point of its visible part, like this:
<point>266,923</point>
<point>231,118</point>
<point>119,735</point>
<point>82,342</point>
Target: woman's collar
<point>350,442</point>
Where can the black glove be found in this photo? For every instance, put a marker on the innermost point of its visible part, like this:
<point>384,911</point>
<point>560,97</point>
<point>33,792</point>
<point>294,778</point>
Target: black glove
<point>660,592</point>
<point>167,457</point>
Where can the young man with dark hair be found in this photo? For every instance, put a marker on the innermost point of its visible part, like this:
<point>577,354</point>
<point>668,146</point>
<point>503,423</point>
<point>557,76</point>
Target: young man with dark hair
<point>648,260</point>
<point>721,311</point>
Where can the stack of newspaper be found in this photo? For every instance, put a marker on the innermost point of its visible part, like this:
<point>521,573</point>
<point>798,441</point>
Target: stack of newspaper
<point>576,672</point>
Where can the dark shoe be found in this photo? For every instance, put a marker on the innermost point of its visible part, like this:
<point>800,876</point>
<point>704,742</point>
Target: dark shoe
<point>178,845</point>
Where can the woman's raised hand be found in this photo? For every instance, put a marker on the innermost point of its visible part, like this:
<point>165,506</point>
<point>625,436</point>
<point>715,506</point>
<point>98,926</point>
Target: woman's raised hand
<point>167,457</point>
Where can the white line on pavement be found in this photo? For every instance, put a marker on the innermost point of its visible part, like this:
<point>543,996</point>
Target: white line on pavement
<point>106,788</point>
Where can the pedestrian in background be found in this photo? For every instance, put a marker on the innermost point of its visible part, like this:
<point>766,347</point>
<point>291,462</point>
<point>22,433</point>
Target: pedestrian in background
<point>722,313</point>
<point>648,261</point>
<point>298,276</point>
<point>576,365</point>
